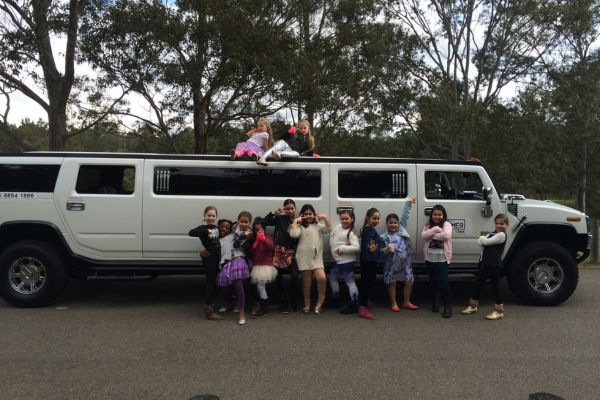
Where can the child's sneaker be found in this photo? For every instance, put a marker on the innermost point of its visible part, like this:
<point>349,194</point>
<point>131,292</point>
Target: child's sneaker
<point>364,312</point>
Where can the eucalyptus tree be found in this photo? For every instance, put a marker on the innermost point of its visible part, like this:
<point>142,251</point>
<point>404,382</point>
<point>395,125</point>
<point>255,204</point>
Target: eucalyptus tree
<point>473,50</point>
<point>125,43</point>
<point>30,62</point>
<point>213,60</point>
<point>575,79</point>
<point>345,52</point>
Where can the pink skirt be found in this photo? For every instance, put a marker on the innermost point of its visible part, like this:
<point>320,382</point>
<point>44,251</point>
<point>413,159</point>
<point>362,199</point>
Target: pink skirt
<point>250,147</point>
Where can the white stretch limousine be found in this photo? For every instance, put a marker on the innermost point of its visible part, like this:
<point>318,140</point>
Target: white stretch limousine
<point>87,214</point>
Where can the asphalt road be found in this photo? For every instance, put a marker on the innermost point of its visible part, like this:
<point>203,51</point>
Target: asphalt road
<point>147,340</point>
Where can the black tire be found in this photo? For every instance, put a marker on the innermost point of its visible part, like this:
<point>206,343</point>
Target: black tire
<point>543,274</point>
<point>32,274</point>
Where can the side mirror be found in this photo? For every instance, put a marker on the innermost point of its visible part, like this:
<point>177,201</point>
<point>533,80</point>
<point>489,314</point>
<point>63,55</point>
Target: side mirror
<point>487,195</point>
<point>486,211</point>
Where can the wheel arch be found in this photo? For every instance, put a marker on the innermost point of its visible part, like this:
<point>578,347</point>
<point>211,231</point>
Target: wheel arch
<point>47,232</point>
<point>563,235</point>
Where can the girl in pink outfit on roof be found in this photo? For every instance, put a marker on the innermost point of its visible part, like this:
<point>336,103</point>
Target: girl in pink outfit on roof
<point>260,139</point>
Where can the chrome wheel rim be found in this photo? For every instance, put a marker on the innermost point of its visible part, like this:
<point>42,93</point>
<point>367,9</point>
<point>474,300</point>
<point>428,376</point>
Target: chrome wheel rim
<point>545,275</point>
<point>27,275</point>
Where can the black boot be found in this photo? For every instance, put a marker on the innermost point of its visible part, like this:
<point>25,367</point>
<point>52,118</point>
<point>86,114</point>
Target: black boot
<point>334,302</point>
<point>263,309</point>
<point>435,305</point>
<point>284,305</point>
<point>447,310</point>
<point>351,308</point>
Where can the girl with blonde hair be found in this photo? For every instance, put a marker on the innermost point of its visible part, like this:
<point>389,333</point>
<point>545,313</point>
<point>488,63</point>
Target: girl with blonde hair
<point>260,139</point>
<point>295,142</point>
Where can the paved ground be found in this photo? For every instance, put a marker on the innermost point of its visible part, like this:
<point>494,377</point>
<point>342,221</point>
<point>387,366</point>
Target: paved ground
<point>146,340</point>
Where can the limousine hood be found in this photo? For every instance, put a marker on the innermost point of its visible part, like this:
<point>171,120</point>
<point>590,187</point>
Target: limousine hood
<point>548,211</point>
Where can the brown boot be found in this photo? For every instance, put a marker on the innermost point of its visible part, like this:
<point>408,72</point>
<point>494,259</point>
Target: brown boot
<point>210,314</point>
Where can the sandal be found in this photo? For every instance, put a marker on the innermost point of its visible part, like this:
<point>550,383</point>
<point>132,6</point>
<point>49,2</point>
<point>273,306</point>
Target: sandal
<point>395,308</point>
<point>318,308</point>
<point>410,307</point>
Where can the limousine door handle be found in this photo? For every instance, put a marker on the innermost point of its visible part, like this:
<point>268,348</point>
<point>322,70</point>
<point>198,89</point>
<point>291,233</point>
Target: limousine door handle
<point>75,206</point>
<point>428,210</point>
<point>340,210</point>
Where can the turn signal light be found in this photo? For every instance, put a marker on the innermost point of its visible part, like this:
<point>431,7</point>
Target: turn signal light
<point>573,219</point>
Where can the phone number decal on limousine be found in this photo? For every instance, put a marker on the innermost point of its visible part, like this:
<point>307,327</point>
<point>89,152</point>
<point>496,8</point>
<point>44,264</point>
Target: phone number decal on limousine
<point>19,195</point>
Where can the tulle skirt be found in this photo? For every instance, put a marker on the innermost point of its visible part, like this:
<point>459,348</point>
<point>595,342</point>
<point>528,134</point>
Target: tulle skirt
<point>263,274</point>
<point>249,147</point>
<point>233,270</point>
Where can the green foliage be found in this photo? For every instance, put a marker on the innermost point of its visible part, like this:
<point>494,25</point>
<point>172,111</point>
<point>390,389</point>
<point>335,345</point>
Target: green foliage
<point>383,78</point>
<point>29,136</point>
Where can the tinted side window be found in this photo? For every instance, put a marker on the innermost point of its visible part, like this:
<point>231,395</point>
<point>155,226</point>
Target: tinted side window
<point>105,179</point>
<point>372,184</point>
<point>28,178</point>
<point>199,181</point>
<point>453,185</point>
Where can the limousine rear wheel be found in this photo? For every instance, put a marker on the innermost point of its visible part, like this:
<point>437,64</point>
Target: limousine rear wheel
<point>32,274</point>
<point>543,274</point>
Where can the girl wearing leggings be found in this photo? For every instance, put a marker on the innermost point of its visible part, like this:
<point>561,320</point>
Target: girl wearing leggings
<point>234,268</point>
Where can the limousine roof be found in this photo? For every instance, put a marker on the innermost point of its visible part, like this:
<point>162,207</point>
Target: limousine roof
<point>359,160</point>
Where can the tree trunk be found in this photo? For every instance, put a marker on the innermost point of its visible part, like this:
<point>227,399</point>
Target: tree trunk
<point>199,121</point>
<point>57,123</point>
<point>581,197</point>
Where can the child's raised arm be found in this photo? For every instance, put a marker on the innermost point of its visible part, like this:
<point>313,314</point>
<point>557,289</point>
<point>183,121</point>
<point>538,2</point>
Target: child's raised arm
<point>294,230</point>
<point>406,210</point>
<point>327,227</point>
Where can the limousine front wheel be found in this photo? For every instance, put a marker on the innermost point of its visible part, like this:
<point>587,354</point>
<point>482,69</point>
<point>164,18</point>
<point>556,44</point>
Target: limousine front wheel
<point>32,274</point>
<point>543,274</point>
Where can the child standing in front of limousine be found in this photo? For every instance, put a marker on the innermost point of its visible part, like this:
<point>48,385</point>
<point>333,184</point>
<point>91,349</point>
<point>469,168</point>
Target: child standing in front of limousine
<point>261,250</point>
<point>344,248</point>
<point>309,254</point>
<point>437,234</point>
<point>369,254</point>
<point>234,268</point>
<point>260,139</point>
<point>209,236</point>
<point>284,254</point>
<point>398,265</point>
<point>490,263</point>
